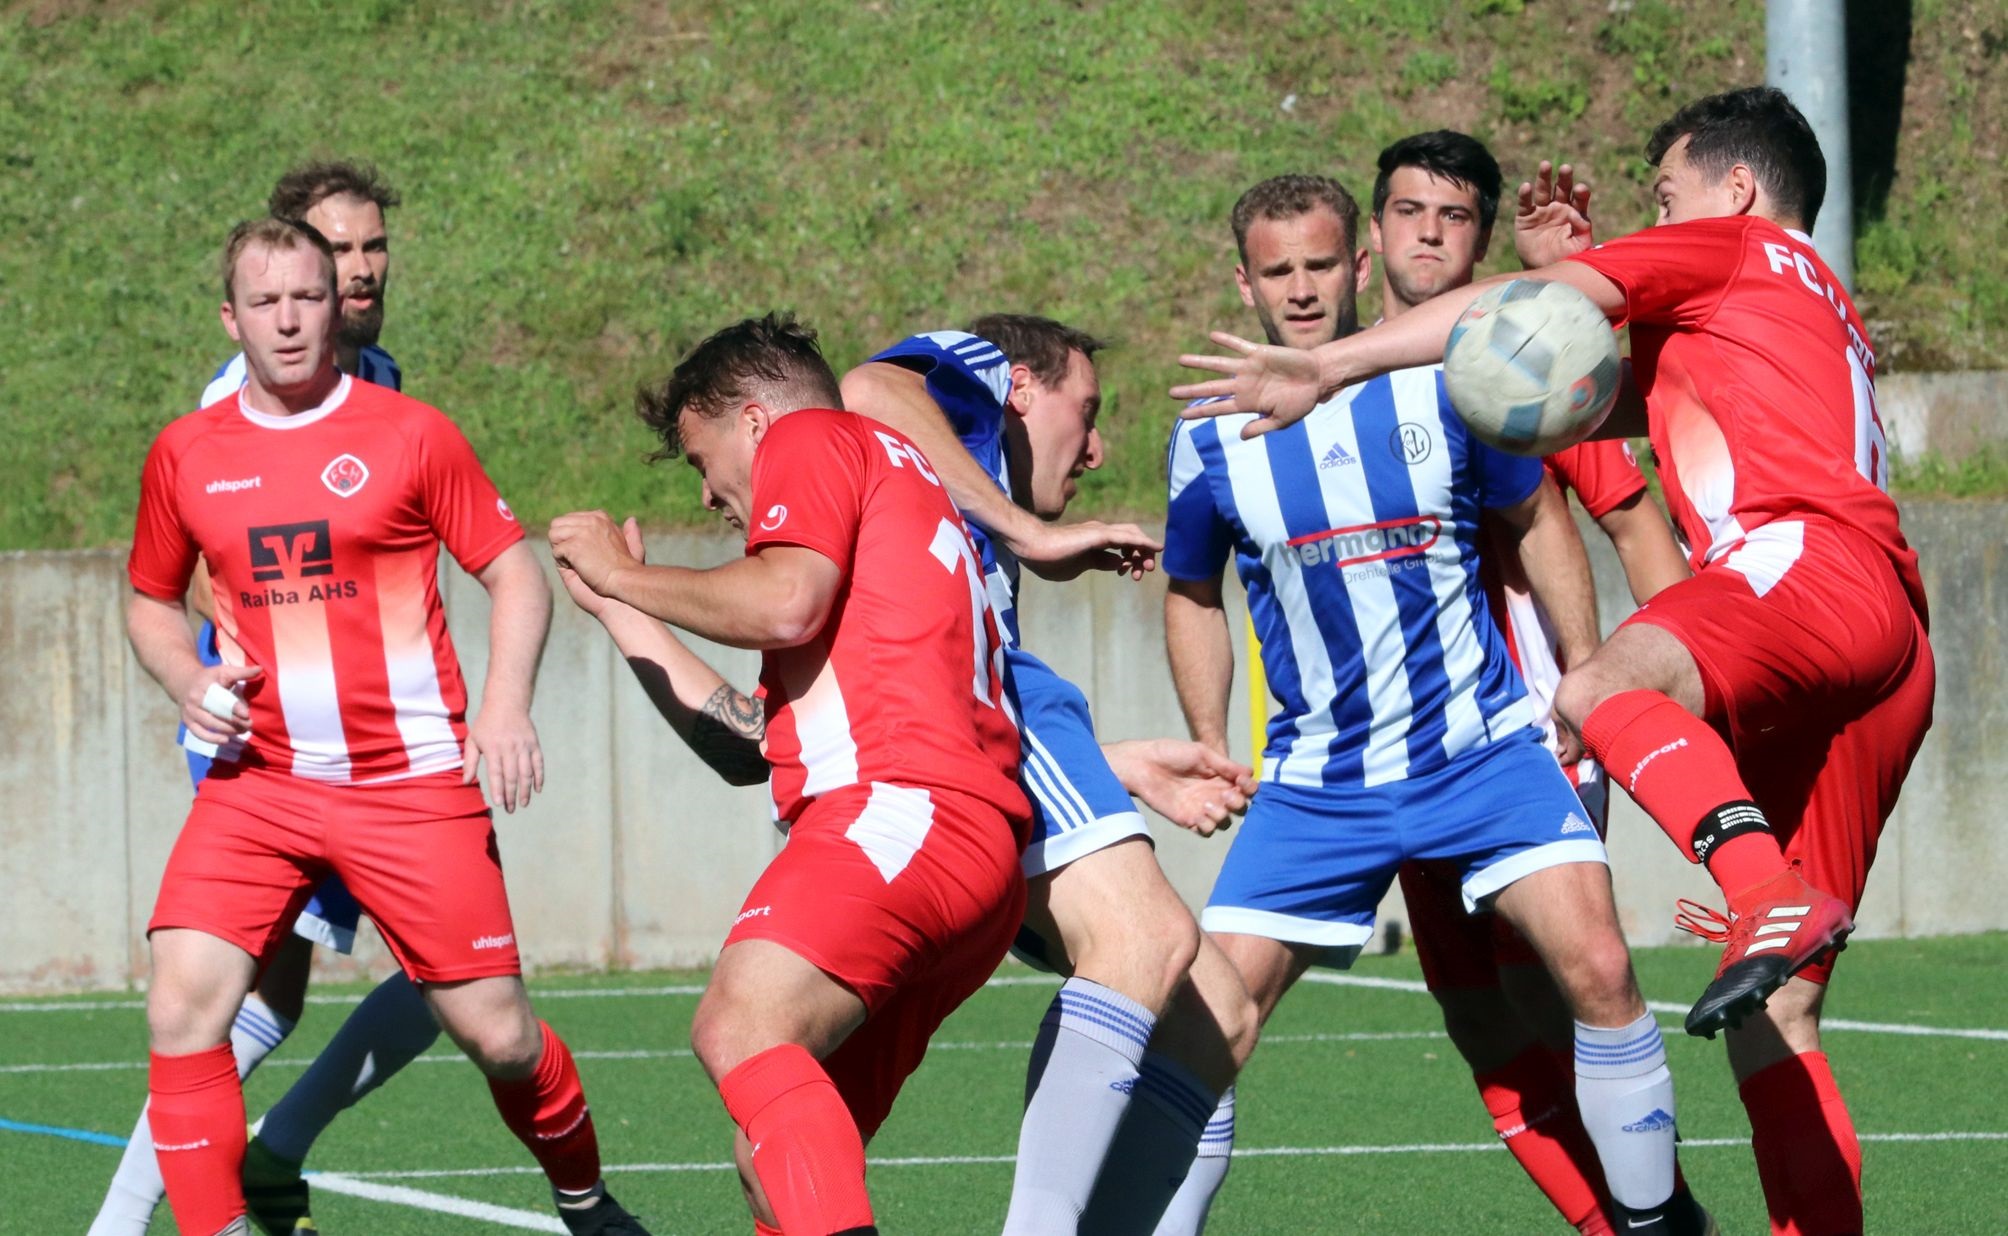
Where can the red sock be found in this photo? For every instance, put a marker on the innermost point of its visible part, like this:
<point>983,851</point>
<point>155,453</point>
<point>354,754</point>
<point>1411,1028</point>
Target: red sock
<point>1681,772</point>
<point>806,1147</point>
<point>1533,1105</point>
<point>196,1108</point>
<point>547,1112</point>
<point>1807,1155</point>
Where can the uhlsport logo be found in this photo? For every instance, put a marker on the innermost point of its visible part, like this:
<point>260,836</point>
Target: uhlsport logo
<point>344,475</point>
<point>755,912</point>
<point>776,516</point>
<point>1631,783</point>
<point>233,487</point>
<point>495,941</point>
<point>1344,547</point>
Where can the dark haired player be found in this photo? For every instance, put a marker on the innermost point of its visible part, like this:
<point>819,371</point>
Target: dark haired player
<point>1766,711</point>
<point>894,757</point>
<point>320,504</point>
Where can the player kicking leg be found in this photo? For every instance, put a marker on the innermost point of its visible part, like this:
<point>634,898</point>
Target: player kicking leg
<point>1130,1063</point>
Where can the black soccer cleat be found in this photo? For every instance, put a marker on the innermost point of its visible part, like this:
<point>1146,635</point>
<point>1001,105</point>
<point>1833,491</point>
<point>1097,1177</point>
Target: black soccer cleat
<point>275,1195</point>
<point>1787,925</point>
<point>597,1214</point>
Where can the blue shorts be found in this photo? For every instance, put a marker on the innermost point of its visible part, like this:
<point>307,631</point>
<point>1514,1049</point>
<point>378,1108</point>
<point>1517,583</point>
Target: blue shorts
<point>1078,805</point>
<point>1310,865</point>
<point>330,915</point>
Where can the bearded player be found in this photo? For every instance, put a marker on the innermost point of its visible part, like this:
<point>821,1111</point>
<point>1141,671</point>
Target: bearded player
<point>320,504</point>
<point>1766,711</point>
<point>894,756</point>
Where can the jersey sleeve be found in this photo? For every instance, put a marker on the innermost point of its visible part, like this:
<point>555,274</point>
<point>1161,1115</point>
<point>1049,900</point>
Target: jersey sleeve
<point>809,480</point>
<point>1673,275</point>
<point>163,553</point>
<point>1503,480</point>
<point>1197,538</point>
<point>461,504</point>
<point>968,375</point>
<point>1603,474</point>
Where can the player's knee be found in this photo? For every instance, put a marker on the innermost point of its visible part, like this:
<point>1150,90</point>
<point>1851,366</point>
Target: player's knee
<point>1578,695</point>
<point>1143,953</point>
<point>1240,1022</point>
<point>1598,981</point>
<point>505,1047</point>
<point>718,1037</point>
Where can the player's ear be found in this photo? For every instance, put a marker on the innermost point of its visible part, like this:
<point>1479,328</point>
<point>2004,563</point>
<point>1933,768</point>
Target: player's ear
<point>1363,270</point>
<point>1743,188</point>
<point>1241,281</point>
<point>754,421</point>
<point>1374,234</point>
<point>1022,381</point>
<point>1484,244</point>
<point>229,316</point>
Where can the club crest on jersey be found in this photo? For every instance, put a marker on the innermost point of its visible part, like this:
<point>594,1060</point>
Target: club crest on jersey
<point>344,475</point>
<point>1410,442</point>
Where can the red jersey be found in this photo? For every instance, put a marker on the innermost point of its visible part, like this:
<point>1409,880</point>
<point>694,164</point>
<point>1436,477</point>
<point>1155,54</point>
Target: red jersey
<point>322,533</point>
<point>905,682</point>
<point>1759,385</point>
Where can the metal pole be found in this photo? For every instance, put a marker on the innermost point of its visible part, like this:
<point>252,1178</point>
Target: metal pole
<point>1806,56</point>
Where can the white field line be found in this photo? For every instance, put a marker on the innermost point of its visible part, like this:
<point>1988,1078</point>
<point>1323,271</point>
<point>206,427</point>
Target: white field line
<point>684,1053</point>
<point>400,1195</point>
<point>1010,980</point>
<point>1276,1152</point>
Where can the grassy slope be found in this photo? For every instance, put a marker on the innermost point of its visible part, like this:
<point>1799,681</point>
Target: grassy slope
<point>592,187</point>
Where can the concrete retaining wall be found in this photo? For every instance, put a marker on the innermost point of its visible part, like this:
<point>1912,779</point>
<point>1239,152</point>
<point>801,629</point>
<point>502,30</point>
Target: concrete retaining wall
<point>638,856</point>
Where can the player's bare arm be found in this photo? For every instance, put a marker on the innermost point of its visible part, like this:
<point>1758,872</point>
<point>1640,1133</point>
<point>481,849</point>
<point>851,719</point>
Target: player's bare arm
<point>1200,647</point>
<point>1188,783</point>
<point>501,734</point>
<point>1558,574</point>
<point>779,597</point>
<point>1552,219</point>
<point>1646,549</point>
<point>898,397</point>
<point>720,723</point>
<point>1282,384</point>
<point>166,649</point>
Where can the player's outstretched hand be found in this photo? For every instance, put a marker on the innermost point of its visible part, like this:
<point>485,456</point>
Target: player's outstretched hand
<point>1188,783</point>
<point>592,545</point>
<point>1280,384</point>
<point>508,742</point>
<point>1063,551</point>
<point>211,707</point>
<point>585,598</point>
<point>1552,221</point>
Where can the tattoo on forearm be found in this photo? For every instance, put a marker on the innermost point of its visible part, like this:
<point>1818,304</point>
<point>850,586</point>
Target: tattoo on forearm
<point>726,734</point>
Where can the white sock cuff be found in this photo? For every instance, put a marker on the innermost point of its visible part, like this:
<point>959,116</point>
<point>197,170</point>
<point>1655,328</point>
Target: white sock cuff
<point>1627,1051</point>
<point>1217,1142</point>
<point>256,1018</point>
<point>1104,1015</point>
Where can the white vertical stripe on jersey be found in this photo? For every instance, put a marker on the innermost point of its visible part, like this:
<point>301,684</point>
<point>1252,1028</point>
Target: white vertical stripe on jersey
<point>893,826</point>
<point>823,728</point>
<point>1456,621</point>
<point>1254,490</point>
<point>1768,553</point>
<point>412,674</point>
<point>1348,503</point>
<point>305,674</point>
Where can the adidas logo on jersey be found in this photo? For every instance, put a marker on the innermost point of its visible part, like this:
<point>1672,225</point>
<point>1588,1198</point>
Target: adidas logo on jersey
<point>1655,1122</point>
<point>1576,824</point>
<point>1336,457</point>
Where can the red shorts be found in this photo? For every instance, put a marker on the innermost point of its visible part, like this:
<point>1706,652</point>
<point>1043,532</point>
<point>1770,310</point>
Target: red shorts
<point>1817,670</point>
<point>909,898</point>
<point>418,855</point>
<point>1461,951</point>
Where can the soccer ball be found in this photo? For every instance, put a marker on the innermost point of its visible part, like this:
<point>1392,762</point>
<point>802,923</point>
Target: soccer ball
<point>1532,367</point>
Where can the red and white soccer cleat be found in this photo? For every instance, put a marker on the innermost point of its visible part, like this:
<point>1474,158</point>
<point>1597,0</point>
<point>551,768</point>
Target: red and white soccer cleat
<point>1785,926</point>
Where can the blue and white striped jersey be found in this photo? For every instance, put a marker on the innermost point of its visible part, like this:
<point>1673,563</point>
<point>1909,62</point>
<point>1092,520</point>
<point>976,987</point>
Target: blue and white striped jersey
<point>373,364</point>
<point>1355,532</point>
<point>970,379</point>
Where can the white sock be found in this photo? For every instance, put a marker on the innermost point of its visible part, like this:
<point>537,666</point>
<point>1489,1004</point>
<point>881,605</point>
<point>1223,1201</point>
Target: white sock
<point>1084,1065</point>
<point>1626,1096</point>
<point>1169,1159</point>
<point>391,1027</point>
<point>136,1188</point>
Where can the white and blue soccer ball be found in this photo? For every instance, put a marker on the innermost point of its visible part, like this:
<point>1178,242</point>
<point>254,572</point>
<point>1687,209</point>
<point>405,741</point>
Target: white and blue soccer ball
<point>1532,367</point>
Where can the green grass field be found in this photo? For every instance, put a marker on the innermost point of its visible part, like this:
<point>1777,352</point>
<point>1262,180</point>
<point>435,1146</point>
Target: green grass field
<point>1354,1116</point>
